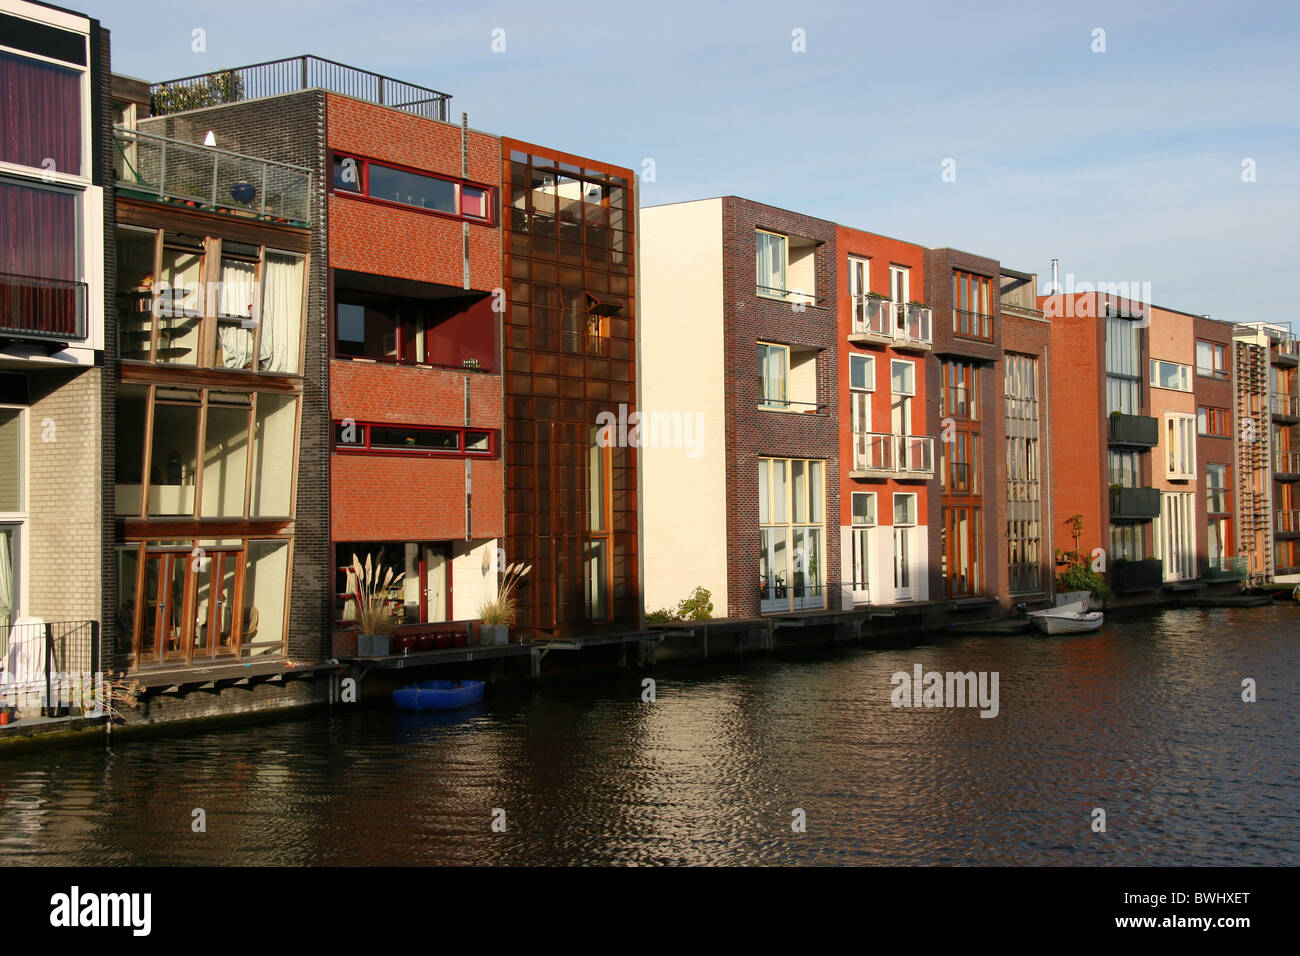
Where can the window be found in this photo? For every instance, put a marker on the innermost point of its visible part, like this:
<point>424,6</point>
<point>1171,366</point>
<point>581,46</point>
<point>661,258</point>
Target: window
<point>770,264</point>
<point>1211,359</point>
<point>959,472</point>
<point>1214,422</point>
<point>13,458</point>
<point>1217,501</point>
<point>960,385</point>
<point>1176,536</point>
<point>791,534</point>
<point>1127,541</point>
<point>424,440</point>
<point>39,262</point>
<point>185,452</point>
<point>902,379</point>
<point>961,550</point>
<point>972,305</point>
<point>1125,468</point>
<point>599,546</point>
<point>1171,375</point>
<point>43,109</point>
<point>1123,366</point>
<point>357,176</point>
<point>773,374</point>
<point>862,382</point>
<point>1023,485</point>
<point>1180,446</point>
<point>787,377</point>
<point>863,520</point>
<point>214,303</point>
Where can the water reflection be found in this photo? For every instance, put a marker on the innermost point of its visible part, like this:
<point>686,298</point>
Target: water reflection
<point>1143,719</point>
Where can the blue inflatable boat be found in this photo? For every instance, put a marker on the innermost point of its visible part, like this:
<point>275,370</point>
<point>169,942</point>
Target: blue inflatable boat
<point>438,695</point>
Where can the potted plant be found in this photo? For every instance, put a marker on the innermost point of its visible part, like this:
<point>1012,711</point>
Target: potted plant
<point>372,582</point>
<point>498,613</point>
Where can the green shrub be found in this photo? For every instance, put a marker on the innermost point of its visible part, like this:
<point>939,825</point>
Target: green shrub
<point>698,606</point>
<point>1080,577</point>
<point>662,616</point>
<point>224,87</point>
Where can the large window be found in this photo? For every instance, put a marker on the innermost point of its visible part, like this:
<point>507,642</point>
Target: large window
<point>791,493</point>
<point>42,116</point>
<point>1123,366</point>
<point>357,176</point>
<point>972,305</point>
<point>13,507</point>
<point>961,551</point>
<point>862,521</point>
<point>1127,541</point>
<point>1171,375</point>
<point>787,377</point>
<point>1211,359</point>
<point>785,267</point>
<point>1176,536</point>
<point>960,391</point>
<point>1024,493</point>
<point>185,452</point>
<point>1217,500</point>
<point>187,299</point>
<point>1180,446</point>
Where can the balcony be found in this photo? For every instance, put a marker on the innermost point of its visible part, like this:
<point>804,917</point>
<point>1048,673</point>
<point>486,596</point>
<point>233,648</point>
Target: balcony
<point>883,455</point>
<point>1287,522</point>
<point>292,75</point>
<point>216,180</point>
<point>1141,431</point>
<point>1286,465</point>
<point>47,310</point>
<point>1127,577</point>
<point>1284,405</point>
<point>1285,351</point>
<point>1134,504</point>
<point>1225,569</point>
<point>879,320</point>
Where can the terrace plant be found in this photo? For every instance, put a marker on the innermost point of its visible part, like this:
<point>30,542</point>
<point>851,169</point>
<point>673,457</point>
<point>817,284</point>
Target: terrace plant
<point>372,585</point>
<point>503,607</point>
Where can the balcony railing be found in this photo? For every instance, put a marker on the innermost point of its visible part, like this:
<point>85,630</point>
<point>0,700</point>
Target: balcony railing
<point>1225,569</point>
<point>46,309</point>
<point>904,325</point>
<point>1134,504</point>
<point>51,669</point>
<point>1139,430</point>
<point>1130,576</point>
<point>1282,403</point>
<point>211,178</point>
<point>1286,462</point>
<point>292,75</point>
<point>793,296</point>
<point>905,456</point>
<point>1286,349</point>
<point>1287,522</point>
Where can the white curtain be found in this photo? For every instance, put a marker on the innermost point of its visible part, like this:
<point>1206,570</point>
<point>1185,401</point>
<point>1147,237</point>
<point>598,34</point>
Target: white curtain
<point>237,298</point>
<point>282,312</point>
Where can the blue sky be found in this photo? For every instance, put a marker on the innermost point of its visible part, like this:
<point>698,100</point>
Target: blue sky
<point>1126,164</point>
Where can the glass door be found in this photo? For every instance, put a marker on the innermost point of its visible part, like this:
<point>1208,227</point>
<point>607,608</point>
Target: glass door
<point>218,623</point>
<point>903,564</point>
<point>436,570</point>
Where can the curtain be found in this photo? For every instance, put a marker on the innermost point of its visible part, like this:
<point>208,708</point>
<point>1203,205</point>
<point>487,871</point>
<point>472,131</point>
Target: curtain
<point>771,263</point>
<point>40,113</point>
<point>237,298</point>
<point>282,312</point>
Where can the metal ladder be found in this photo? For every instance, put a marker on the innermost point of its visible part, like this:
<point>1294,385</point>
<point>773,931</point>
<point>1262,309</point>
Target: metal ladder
<point>1254,472</point>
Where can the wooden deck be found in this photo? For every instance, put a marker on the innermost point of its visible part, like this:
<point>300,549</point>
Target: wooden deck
<point>233,674</point>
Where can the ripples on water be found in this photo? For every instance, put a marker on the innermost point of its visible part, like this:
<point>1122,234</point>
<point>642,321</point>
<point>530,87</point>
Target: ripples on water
<point>1143,719</point>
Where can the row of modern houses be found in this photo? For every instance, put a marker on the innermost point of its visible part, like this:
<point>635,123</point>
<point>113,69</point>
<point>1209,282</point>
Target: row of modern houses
<point>257,321</point>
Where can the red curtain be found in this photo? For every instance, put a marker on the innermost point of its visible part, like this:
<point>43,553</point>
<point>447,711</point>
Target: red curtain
<point>40,114</point>
<point>38,260</point>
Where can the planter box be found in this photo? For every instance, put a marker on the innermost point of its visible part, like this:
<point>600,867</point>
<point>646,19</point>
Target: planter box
<point>344,644</point>
<point>1131,576</point>
<point>1138,503</point>
<point>372,645</point>
<point>494,634</point>
<point>1140,430</point>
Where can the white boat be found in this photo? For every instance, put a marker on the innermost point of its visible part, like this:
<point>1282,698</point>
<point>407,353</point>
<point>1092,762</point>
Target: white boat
<point>1072,618</point>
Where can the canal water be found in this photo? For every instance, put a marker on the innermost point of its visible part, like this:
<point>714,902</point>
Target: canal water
<point>1144,720</point>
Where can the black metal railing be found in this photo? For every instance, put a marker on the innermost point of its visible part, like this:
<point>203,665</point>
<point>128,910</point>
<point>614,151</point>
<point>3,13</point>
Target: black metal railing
<point>809,407</point>
<point>1134,503</point>
<point>1139,430</point>
<point>1130,576</point>
<point>291,75</point>
<point>39,308</point>
<point>53,668</point>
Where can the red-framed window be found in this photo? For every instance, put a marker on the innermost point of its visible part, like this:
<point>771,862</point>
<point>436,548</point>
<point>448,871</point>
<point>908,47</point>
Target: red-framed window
<point>413,189</point>
<point>426,441</point>
<point>972,305</point>
<point>1214,422</point>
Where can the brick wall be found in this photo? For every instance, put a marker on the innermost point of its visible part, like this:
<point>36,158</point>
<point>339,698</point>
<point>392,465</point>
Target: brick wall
<point>1214,393</point>
<point>754,434</point>
<point>64,552</point>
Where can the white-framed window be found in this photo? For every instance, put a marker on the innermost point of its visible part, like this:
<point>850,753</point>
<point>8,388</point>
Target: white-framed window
<point>904,532</point>
<point>863,521</point>
<point>791,522</point>
<point>13,509</point>
<point>859,275</point>
<point>770,263</point>
<point>1180,446</point>
<point>1171,375</point>
<point>904,510</point>
<point>862,382</point>
<point>773,375</point>
<point>900,284</point>
<point>902,377</point>
<point>1176,536</point>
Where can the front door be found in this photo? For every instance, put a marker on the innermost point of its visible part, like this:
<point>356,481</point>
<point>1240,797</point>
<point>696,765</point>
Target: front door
<point>437,572</point>
<point>903,564</point>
